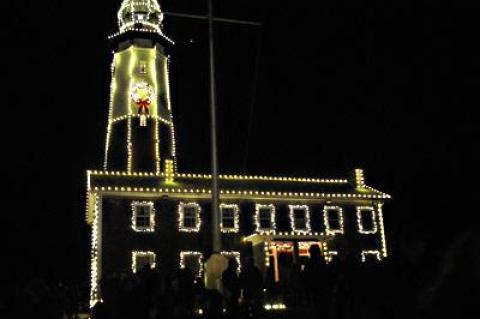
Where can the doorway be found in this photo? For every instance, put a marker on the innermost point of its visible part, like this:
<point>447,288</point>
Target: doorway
<point>284,255</point>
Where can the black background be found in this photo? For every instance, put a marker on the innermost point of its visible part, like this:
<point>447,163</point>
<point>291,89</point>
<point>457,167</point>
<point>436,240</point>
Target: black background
<point>388,86</point>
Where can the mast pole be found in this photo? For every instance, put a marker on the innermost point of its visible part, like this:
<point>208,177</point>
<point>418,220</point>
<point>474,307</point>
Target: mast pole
<point>216,240</point>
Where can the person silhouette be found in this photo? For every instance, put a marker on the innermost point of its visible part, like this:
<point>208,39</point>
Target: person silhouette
<point>251,282</point>
<point>231,288</point>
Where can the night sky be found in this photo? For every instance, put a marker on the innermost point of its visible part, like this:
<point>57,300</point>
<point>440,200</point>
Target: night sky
<point>315,91</point>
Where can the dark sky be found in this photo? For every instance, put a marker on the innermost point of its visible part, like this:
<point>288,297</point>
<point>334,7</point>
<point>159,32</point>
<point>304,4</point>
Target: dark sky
<point>316,91</point>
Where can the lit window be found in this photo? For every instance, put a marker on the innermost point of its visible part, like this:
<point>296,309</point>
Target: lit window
<point>139,17</point>
<point>300,219</point>
<point>142,259</point>
<point>143,67</point>
<point>143,216</point>
<point>366,220</point>
<point>192,260</point>
<point>333,220</point>
<point>189,217</point>
<point>229,218</point>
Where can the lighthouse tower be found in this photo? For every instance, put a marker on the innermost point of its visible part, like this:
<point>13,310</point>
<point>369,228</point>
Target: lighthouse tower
<point>140,130</point>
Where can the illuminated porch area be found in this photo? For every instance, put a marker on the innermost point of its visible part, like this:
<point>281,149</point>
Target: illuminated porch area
<point>276,254</point>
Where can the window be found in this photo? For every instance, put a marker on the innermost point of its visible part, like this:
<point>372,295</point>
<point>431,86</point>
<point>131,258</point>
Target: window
<point>142,259</point>
<point>192,260</point>
<point>229,218</point>
<point>142,69</point>
<point>371,256</point>
<point>265,218</point>
<point>366,220</point>
<point>189,217</point>
<point>143,216</point>
<point>300,219</point>
<point>233,254</point>
<point>333,220</point>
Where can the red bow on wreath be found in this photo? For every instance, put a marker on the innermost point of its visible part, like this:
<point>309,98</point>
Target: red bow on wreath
<point>143,106</point>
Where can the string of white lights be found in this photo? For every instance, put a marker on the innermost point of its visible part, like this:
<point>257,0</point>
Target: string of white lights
<point>136,206</point>
<point>361,227</point>
<point>157,147</point>
<point>382,230</point>
<point>265,230</point>
<point>302,231</point>
<point>94,258</point>
<point>142,254</point>
<point>197,254</point>
<point>329,230</point>
<point>233,254</point>
<point>129,144</point>
<point>375,253</point>
<point>236,212</point>
<point>181,217</point>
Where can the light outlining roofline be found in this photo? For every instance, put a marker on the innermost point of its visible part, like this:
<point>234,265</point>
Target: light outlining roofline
<point>229,177</point>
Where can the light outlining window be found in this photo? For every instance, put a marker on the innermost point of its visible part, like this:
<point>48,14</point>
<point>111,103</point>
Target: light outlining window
<point>300,219</point>
<point>233,254</point>
<point>230,218</point>
<point>189,217</point>
<point>328,221</point>
<point>374,253</point>
<point>361,227</point>
<point>142,258</point>
<point>265,219</point>
<point>329,255</point>
<point>188,254</point>
<point>143,216</point>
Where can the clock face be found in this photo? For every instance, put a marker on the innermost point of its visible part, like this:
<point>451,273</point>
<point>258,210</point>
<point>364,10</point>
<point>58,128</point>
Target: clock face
<point>142,92</point>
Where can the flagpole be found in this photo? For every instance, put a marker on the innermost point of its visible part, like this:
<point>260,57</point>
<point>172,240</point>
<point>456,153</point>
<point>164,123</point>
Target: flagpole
<point>216,240</point>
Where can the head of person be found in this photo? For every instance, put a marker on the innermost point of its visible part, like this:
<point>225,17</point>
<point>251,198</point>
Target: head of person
<point>315,252</point>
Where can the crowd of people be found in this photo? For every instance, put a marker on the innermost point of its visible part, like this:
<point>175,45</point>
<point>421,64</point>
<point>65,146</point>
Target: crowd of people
<point>340,289</point>
<point>398,287</point>
<point>151,294</point>
<point>343,288</point>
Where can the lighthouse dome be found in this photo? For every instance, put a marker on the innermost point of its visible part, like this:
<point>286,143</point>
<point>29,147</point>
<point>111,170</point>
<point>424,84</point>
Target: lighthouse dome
<point>140,14</point>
